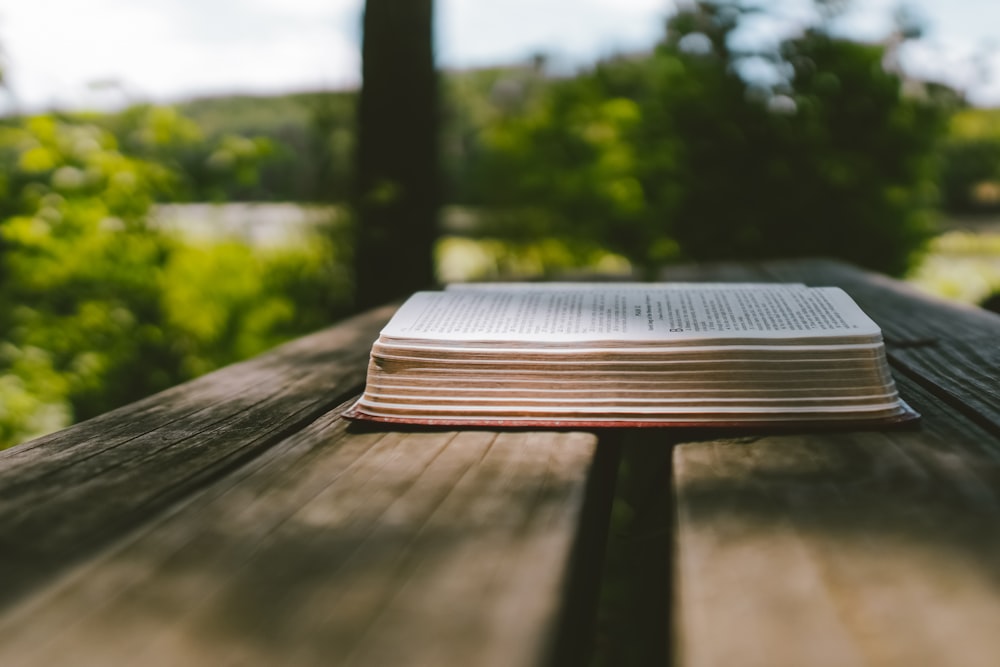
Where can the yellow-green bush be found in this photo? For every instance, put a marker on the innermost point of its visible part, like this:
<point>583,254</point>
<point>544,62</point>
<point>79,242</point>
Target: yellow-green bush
<point>99,306</point>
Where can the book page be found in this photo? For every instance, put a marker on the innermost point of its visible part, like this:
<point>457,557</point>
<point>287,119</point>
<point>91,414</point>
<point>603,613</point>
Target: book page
<point>601,313</point>
<point>611,285</point>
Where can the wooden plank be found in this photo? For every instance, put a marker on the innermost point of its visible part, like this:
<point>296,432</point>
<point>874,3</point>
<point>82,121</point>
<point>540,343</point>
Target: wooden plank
<point>68,494</point>
<point>875,548</point>
<point>339,545</point>
<point>964,373</point>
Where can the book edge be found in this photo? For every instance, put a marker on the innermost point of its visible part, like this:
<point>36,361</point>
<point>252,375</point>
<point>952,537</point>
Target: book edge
<point>906,416</point>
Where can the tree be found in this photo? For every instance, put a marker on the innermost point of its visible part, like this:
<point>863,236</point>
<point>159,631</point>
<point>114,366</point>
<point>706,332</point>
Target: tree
<point>396,197</point>
<point>568,166</point>
<point>100,305</point>
<point>678,155</point>
<point>970,156</point>
<point>80,309</point>
<point>835,160</point>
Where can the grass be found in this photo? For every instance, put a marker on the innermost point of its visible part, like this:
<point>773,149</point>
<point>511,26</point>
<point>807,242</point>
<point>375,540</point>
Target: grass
<point>961,265</point>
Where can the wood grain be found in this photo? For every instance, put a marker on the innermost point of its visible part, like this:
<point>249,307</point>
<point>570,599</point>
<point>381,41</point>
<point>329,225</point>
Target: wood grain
<point>872,548</point>
<point>65,495</point>
<point>238,520</point>
<point>850,548</point>
<point>337,546</point>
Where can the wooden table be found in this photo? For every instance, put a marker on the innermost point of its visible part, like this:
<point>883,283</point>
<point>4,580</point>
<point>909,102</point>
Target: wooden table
<point>238,520</point>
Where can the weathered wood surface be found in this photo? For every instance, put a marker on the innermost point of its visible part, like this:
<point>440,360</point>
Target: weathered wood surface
<point>239,519</point>
<point>66,495</point>
<point>852,548</point>
<point>334,548</point>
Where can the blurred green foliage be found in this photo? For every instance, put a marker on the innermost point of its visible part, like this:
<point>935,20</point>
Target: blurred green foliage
<point>570,165</point>
<point>228,301</point>
<point>679,156</point>
<point>99,307</point>
<point>679,153</point>
<point>205,167</point>
<point>629,153</point>
<point>304,142</point>
<point>970,176</point>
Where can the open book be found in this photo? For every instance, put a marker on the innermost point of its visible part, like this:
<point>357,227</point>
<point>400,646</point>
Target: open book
<point>643,354</point>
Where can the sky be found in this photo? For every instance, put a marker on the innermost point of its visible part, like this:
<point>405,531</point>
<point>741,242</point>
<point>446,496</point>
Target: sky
<point>105,53</point>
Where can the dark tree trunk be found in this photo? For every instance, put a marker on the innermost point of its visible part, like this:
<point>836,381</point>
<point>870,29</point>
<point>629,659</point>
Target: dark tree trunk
<point>397,188</point>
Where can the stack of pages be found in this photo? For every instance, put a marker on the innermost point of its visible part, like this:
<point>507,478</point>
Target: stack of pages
<point>642,354</point>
